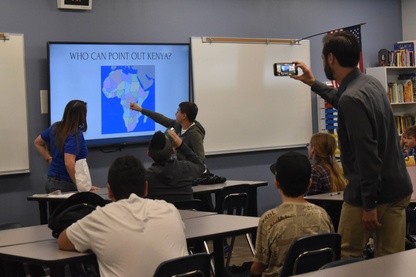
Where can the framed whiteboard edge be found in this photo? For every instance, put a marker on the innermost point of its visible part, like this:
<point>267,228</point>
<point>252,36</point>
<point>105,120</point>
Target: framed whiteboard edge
<point>11,172</point>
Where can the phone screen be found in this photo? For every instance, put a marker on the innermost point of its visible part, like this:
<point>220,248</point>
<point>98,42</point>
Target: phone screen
<point>284,69</point>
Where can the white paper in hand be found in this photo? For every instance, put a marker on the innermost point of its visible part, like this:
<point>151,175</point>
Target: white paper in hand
<point>82,175</point>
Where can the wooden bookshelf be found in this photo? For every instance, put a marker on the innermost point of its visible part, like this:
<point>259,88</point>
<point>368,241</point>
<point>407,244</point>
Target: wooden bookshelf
<point>403,111</point>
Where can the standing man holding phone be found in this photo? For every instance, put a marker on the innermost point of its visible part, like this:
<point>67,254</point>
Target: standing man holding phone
<point>379,187</point>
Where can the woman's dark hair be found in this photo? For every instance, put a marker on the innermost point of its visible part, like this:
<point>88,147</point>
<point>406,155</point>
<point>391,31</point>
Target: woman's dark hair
<point>73,121</point>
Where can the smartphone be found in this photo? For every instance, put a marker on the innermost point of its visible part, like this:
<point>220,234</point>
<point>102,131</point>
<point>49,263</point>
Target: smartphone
<point>285,69</point>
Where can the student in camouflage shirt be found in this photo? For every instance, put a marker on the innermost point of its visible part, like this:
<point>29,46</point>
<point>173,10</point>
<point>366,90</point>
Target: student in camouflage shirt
<point>294,218</point>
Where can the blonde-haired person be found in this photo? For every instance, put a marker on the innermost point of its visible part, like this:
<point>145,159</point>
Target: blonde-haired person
<point>326,174</point>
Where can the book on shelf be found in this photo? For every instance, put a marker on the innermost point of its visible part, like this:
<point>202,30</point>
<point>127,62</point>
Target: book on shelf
<point>404,51</point>
<point>404,121</point>
<point>391,60</point>
<point>412,78</point>
<point>406,87</point>
<point>395,93</point>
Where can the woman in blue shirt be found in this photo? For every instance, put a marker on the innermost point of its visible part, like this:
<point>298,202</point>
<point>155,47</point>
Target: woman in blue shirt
<point>62,144</point>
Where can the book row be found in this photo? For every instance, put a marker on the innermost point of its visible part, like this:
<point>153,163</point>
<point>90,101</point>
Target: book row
<point>403,54</point>
<point>403,90</point>
<point>404,121</point>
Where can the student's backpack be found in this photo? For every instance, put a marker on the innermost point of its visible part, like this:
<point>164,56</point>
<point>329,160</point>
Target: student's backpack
<point>208,178</point>
<point>72,209</point>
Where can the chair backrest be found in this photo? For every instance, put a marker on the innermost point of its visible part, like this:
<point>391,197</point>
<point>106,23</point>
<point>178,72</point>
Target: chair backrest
<point>309,253</point>
<point>192,204</point>
<point>342,262</point>
<point>196,265</point>
<point>234,200</point>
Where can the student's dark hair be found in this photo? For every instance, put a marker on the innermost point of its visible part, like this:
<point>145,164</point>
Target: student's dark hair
<point>344,46</point>
<point>410,131</point>
<point>190,109</point>
<point>294,189</point>
<point>293,172</point>
<point>73,120</point>
<point>126,175</point>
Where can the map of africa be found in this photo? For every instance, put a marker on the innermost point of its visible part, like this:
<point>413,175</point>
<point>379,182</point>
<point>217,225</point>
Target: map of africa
<point>122,85</point>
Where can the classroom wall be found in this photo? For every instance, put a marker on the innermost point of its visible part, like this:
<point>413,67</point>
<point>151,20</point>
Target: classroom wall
<point>176,21</point>
<point>409,19</point>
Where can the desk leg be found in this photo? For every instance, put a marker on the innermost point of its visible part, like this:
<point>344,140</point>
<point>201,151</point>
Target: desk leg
<point>43,211</point>
<point>219,257</point>
<point>252,205</point>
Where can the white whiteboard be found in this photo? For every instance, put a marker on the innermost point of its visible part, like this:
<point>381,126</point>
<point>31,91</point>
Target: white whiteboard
<point>242,105</point>
<point>13,108</point>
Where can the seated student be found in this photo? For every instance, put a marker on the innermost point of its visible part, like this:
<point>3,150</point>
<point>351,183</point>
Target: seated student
<point>190,130</point>
<point>326,173</point>
<point>408,141</point>
<point>294,218</point>
<point>129,236</point>
<point>408,144</point>
<point>171,179</point>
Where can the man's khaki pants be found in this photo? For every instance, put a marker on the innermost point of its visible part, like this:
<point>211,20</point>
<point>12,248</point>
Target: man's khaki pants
<point>388,239</point>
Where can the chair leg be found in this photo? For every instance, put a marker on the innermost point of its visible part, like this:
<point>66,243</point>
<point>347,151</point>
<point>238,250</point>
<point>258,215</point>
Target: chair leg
<point>230,251</point>
<point>212,263</point>
<point>250,244</point>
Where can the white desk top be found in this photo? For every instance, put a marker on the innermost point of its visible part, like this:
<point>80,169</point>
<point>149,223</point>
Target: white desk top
<point>333,196</point>
<point>219,225</point>
<point>398,265</point>
<point>25,235</point>
<point>46,252</point>
<point>187,214</point>
<point>217,187</point>
<point>197,189</point>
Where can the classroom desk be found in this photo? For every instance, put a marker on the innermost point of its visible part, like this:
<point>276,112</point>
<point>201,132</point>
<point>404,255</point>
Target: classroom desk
<point>332,203</point>
<point>401,264</point>
<point>44,199</point>
<point>44,253</point>
<point>187,214</point>
<point>42,232</point>
<point>214,227</point>
<point>25,235</point>
<point>325,197</point>
<point>336,197</point>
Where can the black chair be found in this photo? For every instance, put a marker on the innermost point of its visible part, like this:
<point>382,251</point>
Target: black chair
<point>195,205</point>
<point>310,253</point>
<point>191,204</point>
<point>342,262</point>
<point>197,265</point>
<point>234,200</point>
